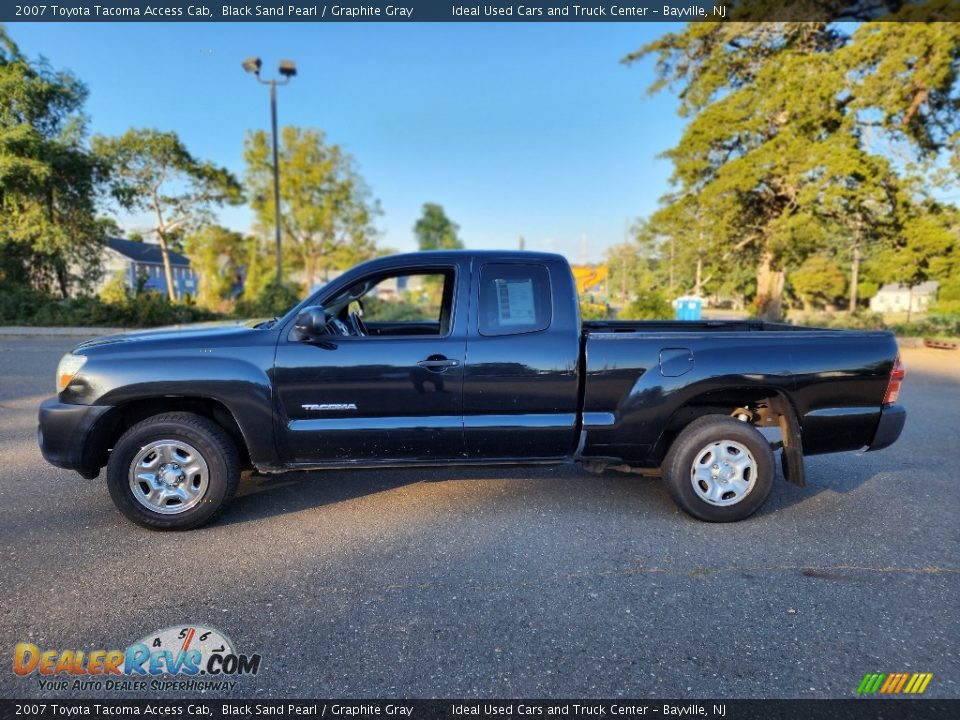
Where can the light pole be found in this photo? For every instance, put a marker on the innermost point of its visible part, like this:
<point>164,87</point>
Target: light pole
<point>287,70</point>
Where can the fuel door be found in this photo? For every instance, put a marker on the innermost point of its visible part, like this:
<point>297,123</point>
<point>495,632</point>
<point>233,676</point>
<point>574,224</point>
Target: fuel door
<point>675,362</point>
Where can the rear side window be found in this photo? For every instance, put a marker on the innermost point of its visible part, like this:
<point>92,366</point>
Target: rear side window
<point>514,299</point>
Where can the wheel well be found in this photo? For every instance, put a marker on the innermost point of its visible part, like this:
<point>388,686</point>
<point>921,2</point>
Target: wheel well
<point>761,407</point>
<point>121,418</point>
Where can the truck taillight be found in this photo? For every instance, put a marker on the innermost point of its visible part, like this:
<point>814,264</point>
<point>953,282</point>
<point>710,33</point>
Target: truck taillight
<point>896,379</point>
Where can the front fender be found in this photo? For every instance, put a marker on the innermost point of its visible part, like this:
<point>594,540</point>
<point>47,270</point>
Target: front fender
<point>242,385</point>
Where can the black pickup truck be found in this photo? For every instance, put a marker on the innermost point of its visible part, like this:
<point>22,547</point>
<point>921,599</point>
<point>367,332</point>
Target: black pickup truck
<point>464,358</point>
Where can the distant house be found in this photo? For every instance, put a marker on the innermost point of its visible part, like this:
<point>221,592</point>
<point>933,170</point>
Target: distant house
<point>133,258</point>
<point>392,287</point>
<point>325,277</point>
<point>897,297</point>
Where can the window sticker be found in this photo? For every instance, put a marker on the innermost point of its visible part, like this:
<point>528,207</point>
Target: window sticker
<point>515,302</point>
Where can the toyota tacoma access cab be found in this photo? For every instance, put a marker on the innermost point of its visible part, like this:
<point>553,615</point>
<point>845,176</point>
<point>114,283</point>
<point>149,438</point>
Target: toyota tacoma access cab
<point>463,358</point>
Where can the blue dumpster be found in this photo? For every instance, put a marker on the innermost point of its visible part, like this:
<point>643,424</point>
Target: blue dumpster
<point>687,307</point>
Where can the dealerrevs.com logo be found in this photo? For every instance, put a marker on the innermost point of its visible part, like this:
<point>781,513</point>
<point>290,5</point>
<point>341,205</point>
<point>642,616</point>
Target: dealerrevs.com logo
<point>184,652</point>
<point>894,683</point>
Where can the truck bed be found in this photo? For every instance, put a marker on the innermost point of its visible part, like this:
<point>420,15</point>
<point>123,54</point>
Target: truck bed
<point>686,326</point>
<point>642,376</point>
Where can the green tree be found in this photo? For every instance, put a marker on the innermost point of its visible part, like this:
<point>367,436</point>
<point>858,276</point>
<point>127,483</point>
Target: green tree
<point>217,255</point>
<point>927,248</point>
<point>948,297</point>
<point>153,172</point>
<point>631,264</point>
<point>633,268</point>
<point>818,282</point>
<point>905,82</point>
<point>327,211</point>
<point>116,291</point>
<point>625,268</point>
<point>48,179</point>
<point>435,231</point>
<point>692,259</point>
<point>777,157</point>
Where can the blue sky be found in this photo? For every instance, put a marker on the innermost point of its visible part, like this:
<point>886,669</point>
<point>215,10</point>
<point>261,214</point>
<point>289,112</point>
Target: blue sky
<point>515,128</point>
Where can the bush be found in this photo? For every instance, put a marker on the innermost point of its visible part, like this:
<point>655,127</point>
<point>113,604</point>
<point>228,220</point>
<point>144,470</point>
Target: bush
<point>21,306</point>
<point>16,303</point>
<point>947,325</point>
<point>273,301</point>
<point>948,298</point>
<point>398,310</point>
<point>116,290</point>
<point>593,311</point>
<point>858,320</point>
<point>936,325</point>
<point>648,305</point>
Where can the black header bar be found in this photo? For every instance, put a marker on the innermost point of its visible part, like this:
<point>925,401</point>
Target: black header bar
<point>480,11</point>
<point>853,709</point>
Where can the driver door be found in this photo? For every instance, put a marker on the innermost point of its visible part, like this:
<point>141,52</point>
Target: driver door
<point>394,393</point>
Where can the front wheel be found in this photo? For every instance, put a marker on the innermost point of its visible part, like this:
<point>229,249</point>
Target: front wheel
<point>719,469</point>
<point>173,471</point>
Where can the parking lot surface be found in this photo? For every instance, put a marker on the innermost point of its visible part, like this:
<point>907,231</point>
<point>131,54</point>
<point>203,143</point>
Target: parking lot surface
<point>493,582</point>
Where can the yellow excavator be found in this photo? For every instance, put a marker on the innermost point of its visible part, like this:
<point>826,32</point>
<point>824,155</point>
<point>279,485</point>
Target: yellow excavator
<point>589,277</point>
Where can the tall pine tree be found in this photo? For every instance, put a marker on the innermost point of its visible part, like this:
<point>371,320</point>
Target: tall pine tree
<point>789,146</point>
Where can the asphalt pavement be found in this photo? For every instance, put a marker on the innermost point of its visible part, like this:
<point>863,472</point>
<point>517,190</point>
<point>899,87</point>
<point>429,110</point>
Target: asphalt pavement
<point>493,582</point>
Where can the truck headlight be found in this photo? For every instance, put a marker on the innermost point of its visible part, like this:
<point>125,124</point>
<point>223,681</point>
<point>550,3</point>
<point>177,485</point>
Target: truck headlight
<point>68,367</point>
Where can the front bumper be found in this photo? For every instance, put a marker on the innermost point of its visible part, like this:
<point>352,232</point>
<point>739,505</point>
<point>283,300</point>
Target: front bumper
<point>64,435</point>
<point>892,419</point>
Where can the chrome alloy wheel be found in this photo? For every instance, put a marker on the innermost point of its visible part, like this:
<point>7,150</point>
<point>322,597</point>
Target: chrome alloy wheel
<point>723,473</point>
<point>169,476</point>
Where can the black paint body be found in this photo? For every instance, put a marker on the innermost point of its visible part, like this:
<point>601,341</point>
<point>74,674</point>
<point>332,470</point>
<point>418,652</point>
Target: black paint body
<point>616,391</point>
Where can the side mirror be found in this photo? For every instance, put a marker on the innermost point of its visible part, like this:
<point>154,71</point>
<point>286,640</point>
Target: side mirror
<point>311,322</point>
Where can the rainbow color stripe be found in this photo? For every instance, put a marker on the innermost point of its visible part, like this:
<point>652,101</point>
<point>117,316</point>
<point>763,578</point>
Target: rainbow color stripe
<point>894,683</point>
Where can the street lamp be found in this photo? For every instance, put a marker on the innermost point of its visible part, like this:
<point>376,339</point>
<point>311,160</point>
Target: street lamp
<point>287,70</point>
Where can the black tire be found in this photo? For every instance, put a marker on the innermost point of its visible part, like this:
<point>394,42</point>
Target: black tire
<point>215,448</point>
<point>693,445</point>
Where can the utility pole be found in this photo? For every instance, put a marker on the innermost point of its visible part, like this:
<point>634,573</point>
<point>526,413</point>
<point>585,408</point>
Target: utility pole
<point>854,277</point>
<point>287,70</point>
<point>626,255</point>
<point>855,262</point>
<point>623,273</point>
<point>672,256</point>
<point>699,277</point>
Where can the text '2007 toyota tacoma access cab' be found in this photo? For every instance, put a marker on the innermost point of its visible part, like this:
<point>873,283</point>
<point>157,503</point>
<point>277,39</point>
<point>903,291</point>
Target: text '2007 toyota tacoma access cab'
<point>464,358</point>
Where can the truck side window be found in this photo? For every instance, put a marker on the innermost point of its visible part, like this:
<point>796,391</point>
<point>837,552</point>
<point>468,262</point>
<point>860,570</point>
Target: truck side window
<point>514,299</point>
<point>406,303</point>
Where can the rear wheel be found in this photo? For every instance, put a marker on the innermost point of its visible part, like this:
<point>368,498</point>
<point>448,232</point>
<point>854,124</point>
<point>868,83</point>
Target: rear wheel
<point>719,469</point>
<point>174,471</point>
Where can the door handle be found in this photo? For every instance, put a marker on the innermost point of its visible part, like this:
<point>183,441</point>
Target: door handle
<point>438,363</point>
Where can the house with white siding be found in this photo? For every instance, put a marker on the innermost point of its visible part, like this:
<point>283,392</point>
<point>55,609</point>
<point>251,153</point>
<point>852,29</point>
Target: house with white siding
<point>897,297</point>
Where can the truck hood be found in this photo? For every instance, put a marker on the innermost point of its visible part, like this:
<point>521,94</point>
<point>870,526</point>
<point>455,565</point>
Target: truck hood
<point>194,332</point>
